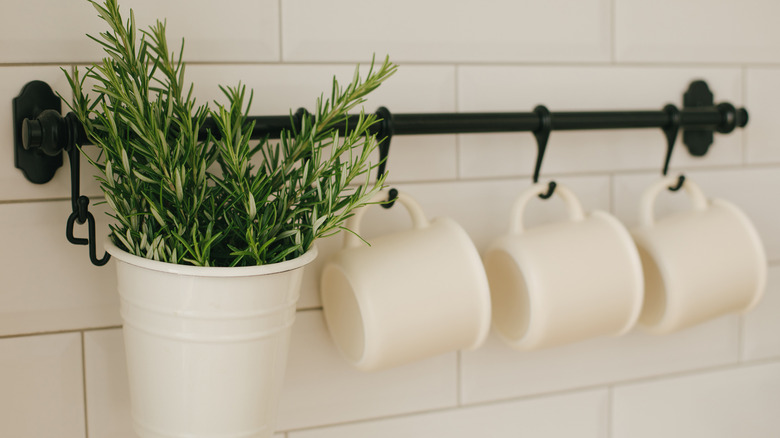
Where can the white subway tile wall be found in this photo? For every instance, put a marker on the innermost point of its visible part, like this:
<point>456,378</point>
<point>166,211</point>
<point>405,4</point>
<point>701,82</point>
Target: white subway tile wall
<point>108,400</point>
<point>46,31</point>
<point>761,84</point>
<point>761,326</point>
<point>737,401</point>
<point>42,386</point>
<point>695,31</point>
<point>322,388</point>
<point>440,31</point>
<point>62,370</point>
<point>49,284</point>
<point>580,414</point>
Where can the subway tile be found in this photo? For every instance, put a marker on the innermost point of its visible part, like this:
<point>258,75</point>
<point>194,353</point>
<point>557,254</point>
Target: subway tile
<point>42,387</point>
<point>496,371</point>
<point>695,31</point>
<point>108,399</point>
<point>582,414</point>
<point>50,284</point>
<point>438,31</point>
<point>739,402</point>
<point>761,133</point>
<point>281,89</point>
<point>52,31</point>
<point>520,89</point>
<point>761,325</point>
<point>322,388</point>
<point>482,208</point>
<point>751,189</point>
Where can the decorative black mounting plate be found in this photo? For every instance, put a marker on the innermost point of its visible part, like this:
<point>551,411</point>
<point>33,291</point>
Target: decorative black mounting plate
<point>697,141</point>
<point>36,97</point>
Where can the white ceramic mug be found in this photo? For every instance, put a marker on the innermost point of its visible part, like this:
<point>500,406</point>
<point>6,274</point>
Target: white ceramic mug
<point>565,281</point>
<point>409,295</point>
<point>699,264</point>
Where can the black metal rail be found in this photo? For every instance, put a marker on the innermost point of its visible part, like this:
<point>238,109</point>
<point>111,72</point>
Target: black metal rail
<point>42,133</point>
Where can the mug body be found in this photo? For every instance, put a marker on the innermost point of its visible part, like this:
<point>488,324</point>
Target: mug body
<point>699,264</point>
<point>564,282</point>
<point>409,295</point>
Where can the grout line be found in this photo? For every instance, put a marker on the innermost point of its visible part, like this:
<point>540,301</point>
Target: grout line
<point>521,176</point>
<point>744,132</point>
<point>30,201</point>
<point>458,155</point>
<point>281,23</point>
<point>496,402</point>
<point>612,193</point>
<point>458,159</point>
<point>741,339</point>
<point>613,29</point>
<point>610,411</point>
<point>499,63</point>
<point>458,378</point>
<point>646,379</point>
<point>58,332</point>
<point>84,385</point>
<point>698,371</point>
<point>593,173</point>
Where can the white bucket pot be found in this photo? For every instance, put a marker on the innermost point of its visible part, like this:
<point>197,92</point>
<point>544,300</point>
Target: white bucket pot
<point>206,347</point>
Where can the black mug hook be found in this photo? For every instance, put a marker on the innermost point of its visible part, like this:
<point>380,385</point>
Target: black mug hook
<point>542,135</point>
<point>670,131</point>
<point>384,135</point>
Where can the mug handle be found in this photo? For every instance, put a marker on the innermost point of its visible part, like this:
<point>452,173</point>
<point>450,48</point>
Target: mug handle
<point>576,213</point>
<point>353,223</point>
<point>647,203</point>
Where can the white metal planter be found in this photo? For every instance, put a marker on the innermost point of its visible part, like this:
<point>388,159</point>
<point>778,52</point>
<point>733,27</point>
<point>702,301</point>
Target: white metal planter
<point>206,347</point>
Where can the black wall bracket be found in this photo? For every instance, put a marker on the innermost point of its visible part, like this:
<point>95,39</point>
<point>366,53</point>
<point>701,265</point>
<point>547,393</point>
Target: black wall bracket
<point>699,97</point>
<point>37,164</point>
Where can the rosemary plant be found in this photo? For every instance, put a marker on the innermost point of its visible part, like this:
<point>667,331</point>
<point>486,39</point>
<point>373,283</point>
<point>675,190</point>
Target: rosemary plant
<point>182,199</point>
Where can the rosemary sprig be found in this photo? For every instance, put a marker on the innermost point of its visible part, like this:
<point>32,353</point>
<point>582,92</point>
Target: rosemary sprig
<point>180,199</point>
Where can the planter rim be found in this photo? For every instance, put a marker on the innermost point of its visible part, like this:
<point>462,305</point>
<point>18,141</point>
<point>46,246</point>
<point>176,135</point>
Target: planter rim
<point>210,271</point>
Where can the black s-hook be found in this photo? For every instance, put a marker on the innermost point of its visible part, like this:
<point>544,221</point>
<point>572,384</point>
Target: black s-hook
<point>384,135</point>
<point>80,203</point>
<point>670,131</point>
<point>542,134</point>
